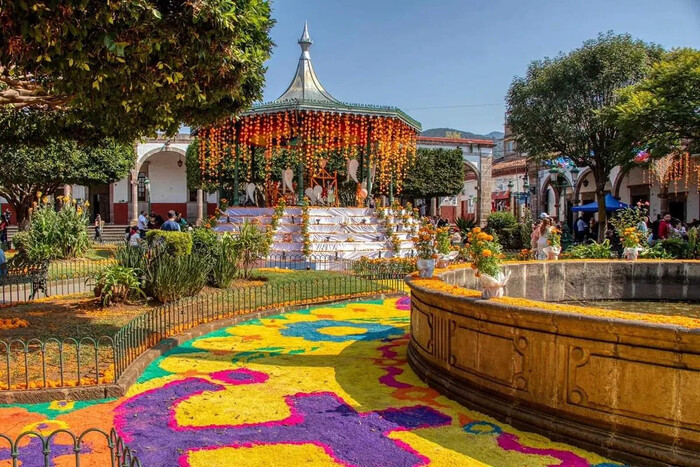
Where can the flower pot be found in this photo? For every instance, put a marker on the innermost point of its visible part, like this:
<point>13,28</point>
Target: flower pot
<point>553,252</point>
<point>631,253</point>
<point>426,267</point>
<point>493,287</point>
<point>445,260</point>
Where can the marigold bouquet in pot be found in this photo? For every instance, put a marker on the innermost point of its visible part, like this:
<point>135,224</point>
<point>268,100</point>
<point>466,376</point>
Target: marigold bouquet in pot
<point>630,238</point>
<point>554,242</point>
<point>426,249</point>
<point>484,253</point>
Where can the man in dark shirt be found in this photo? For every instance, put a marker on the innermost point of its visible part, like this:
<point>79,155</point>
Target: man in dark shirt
<point>170,224</point>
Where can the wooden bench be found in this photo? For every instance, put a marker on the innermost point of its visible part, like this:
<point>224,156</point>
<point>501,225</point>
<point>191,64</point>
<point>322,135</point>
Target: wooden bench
<point>36,274</point>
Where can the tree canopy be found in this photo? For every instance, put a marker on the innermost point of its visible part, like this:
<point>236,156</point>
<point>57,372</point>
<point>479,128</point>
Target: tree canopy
<point>29,169</point>
<point>663,110</point>
<point>435,172</point>
<point>132,67</point>
<point>558,108</point>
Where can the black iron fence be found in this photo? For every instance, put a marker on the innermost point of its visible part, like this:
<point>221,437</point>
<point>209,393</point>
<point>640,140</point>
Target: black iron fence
<point>33,448</point>
<point>61,278</point>
<point>88,361</point>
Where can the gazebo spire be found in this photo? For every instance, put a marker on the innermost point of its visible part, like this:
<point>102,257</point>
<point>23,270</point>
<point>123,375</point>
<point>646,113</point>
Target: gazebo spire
<point>305,85</point>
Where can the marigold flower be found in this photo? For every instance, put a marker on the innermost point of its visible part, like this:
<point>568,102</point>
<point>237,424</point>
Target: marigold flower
<point>486,253</point>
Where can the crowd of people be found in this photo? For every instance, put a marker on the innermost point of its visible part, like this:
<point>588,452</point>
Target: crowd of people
<point>176,222</point>
<point>664,227</point>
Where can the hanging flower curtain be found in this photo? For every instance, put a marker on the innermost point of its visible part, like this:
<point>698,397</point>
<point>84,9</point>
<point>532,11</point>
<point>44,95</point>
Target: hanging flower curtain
<point>313,134</point>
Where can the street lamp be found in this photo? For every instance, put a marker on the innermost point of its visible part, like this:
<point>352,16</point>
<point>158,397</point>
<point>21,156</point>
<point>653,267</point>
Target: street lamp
<point>147,184</point>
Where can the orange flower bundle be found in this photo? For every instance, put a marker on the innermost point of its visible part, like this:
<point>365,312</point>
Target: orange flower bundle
<point>314,135</point>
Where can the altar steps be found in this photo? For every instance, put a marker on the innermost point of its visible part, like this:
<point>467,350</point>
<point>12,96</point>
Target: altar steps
<point>334,233</point>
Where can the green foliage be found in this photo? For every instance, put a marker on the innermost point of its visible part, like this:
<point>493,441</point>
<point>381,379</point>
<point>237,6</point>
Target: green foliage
<point>442,240</point>
<point>117,284</point>
<point>435,172</point>
<point>558,107</point>
<point>57,234</point>
<point>195,180</point>
<point>655,251</point>
<point>465,225</point>
<point>134,67</point>
<point>677,248</point>
<point>204,242</point>
<point>132,258</point>
<point>591,250</point>
<point>501,220</point>
<point>171,277</point>
<point>694,242</point>
<point>505,227</point>
<point>176,243</point>
<point>252,244</point>
<point>628,218</point>
<point>662,109</point>
<point>225,262</point>
<point>383,268</point>
<point>29,168</point>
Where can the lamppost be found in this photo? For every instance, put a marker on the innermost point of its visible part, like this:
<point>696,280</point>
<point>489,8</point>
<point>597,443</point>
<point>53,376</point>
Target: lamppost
<point>147,184</point>
<point>510,197</point>
<point>526,189</point>
<point>560,183</point>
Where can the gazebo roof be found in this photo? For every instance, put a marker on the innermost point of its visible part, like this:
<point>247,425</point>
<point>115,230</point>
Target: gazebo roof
<point>307,93</point>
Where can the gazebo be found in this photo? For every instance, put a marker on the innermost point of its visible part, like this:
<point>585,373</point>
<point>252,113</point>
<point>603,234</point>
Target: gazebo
<point>306,121</point>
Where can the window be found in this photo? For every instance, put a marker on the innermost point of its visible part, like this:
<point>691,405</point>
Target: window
<point>142,186</point>
<point>193,196</point>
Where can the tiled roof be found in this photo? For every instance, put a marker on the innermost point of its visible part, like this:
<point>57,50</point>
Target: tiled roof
<point>509,166</point>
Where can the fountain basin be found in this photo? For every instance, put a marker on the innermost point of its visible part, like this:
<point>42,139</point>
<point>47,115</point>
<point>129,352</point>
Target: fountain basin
<point>626,388</point>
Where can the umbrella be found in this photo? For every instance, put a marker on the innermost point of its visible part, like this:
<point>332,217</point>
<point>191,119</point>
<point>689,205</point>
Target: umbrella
<point>611,204</point>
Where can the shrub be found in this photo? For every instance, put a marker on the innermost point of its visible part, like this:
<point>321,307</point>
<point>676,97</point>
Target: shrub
<point>176,243</point>
<point>442,240</point>
<point>132,258</point>
<point>252,244</point>
<point>57,234</point>
<point>592,250</point>
<point>117,284</point>
<point>171,277</point>
<point>204,241</point>
<point>382,268</point>
<point>225,255</point>
<point>676,248</point>
<point>501,220</point>
<point>654,252</point>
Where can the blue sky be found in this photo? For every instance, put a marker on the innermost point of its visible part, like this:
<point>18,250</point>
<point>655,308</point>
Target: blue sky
<point>415,54</point>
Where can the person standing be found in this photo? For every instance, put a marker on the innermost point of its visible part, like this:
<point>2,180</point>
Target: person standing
<point>99,223</point>
<point>543,238</point>
<point>3,231</point>
<point>171,225</point>
<point>665,227</point>
<point>581,229</point>
<point>142,224</point>
<point>7,216</point>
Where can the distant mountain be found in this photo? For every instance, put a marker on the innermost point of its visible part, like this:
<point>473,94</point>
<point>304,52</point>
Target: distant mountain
<point>496,136</point>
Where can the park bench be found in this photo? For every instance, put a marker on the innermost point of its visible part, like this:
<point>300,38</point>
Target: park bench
<point>17,273</point>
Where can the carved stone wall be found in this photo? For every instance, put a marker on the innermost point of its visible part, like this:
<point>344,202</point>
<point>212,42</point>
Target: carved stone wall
<point>626,389</point>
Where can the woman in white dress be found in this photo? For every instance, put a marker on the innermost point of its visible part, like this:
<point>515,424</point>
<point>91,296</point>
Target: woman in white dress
<point>543,238</point>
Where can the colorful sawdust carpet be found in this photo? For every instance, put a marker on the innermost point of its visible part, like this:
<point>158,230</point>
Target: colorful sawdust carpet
<point>323,386</point>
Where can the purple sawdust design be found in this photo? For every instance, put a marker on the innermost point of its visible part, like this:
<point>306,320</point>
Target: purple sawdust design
<point>403,303</point>
<point>32,453</point>
<point>319,418</point>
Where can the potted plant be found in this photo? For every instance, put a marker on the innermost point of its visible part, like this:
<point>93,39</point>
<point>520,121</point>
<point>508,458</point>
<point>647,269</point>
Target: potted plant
<point>425,245</point>
<point>554,242</point>
<point>444,247</point>
<point>484,253</point>
<point>630,241</point>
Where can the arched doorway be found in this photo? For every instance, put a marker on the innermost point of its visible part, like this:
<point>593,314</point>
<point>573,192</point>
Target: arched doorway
<point>161,183</point>
<point>470,198</point>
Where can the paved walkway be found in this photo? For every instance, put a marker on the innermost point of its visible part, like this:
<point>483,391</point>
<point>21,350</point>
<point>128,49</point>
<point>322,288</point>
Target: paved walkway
<point>326,386</point>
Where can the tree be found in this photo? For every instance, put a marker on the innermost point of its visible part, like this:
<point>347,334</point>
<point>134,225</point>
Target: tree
<point>135,66</point>
<point>30,169</point>
<point>558,108</point>
<point>435,172</point>
<point>663,110</point>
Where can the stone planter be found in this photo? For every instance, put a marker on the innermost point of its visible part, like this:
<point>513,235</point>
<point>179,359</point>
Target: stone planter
<point>631,253</point>
<point>425,267</point>
<point>493,287</point>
